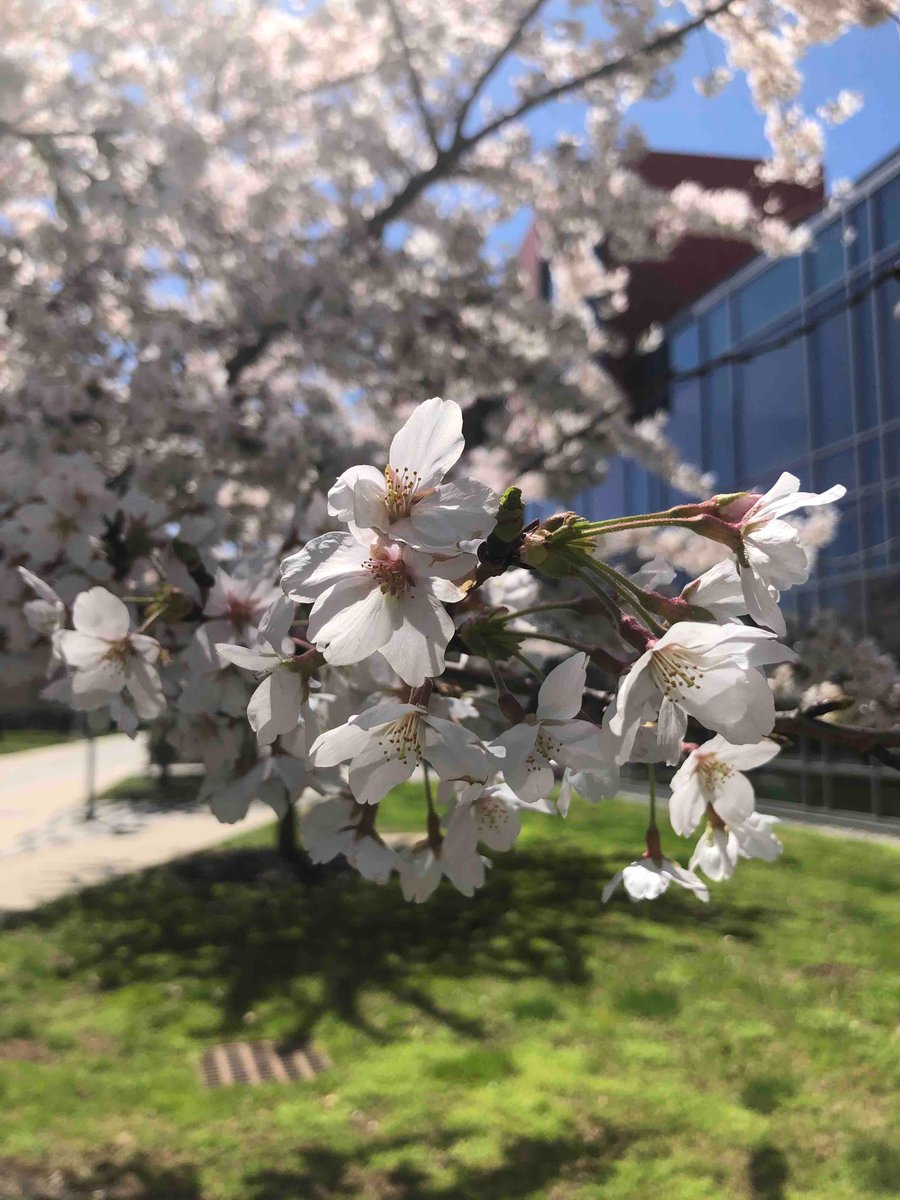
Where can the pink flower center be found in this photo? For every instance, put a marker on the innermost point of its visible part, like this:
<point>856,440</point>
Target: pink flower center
<point>387,566</point>
<point>400,494</point>
<point>712,771</point>
<point>674,670</point>
<point>239,611</point>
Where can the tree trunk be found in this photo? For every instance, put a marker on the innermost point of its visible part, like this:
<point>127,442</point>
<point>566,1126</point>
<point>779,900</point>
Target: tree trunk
<point>288,845</point>
<point>291,851</point>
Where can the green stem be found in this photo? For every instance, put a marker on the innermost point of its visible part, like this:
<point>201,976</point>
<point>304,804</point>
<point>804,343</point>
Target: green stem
<point>537,636</point>
<point>495,672</point>
<point>535,670</point>
<point>536,608</point>
<point>630,590</point>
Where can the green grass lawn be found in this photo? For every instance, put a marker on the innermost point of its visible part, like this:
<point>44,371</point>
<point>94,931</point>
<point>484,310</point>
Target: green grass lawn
<point>14,740</point>
<point>527,1043</point>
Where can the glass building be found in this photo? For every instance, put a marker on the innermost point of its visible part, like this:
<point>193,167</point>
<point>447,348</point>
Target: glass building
<point>811,386</point>
<point>825,404</point>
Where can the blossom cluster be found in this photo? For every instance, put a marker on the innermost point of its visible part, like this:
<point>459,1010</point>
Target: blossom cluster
<point>418,638</point>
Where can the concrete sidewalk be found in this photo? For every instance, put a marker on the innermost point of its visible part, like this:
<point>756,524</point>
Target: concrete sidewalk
<point>47,847</point>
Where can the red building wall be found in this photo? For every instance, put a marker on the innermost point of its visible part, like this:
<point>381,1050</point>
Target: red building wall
<point>661,288</point>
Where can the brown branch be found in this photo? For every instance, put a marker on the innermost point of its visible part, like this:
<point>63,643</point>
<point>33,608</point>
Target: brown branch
<point>658,45</point>
<point>516,34</point>
<point>449,157</point>
<point>415,81</point>
<point>878,743</point>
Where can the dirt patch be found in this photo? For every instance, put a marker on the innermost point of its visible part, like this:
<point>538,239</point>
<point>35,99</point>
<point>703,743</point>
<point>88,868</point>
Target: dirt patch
<point>23,1050</point>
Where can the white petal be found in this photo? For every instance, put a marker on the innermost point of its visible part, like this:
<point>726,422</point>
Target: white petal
<point>276,621</point>
<point>761,605</point>
<point>561,692</point>
<point>734,799</point>
<point>145,687</point>
<point>99,613</point>
<point>611,886</point>
<point>104,676</point>
<point>80,650</point>
<point>416,649</point>
<point>249,660</point>
<point>453,513</point>
<point>430,442</point>
<point>373,773</point>
<point>670,730</point>
<point>341,501</point>
<point>644,880</point>
<point>352,620</point>
<point>338,745</point>
<point>456,752</point>
<point>320,564</point>
<point>742,758</point>
<point>687,803</point>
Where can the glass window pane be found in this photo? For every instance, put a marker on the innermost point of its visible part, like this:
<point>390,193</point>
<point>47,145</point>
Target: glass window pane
<point>857,236</point>
<point>717,338</point>
<point>887,209</point>
<point>865,377</point>
<point>825,259</point>
<point>892,454</point>
<point>772,427</point>
<point>832,390</point>
<point>770,295</point>
<point>869,462</point>
<point>718,429</point>
<point>684,420</point>
<point>874,531</point>
<point>684,349</point>
<point>842,554</point>
<point>835,468</point>
<point>888,297</point>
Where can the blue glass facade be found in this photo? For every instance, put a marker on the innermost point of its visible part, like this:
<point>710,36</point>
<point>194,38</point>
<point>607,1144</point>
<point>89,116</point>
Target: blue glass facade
<point>825,406</point>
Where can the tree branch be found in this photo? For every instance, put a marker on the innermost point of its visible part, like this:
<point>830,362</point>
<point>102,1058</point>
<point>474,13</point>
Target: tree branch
<point>415,82</point>
<point>448,158</point>
<point>664,42</point>
<point>516,34</point>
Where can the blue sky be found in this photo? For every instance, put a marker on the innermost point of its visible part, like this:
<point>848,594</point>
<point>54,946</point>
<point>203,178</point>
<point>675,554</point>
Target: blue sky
<point>864,60</point>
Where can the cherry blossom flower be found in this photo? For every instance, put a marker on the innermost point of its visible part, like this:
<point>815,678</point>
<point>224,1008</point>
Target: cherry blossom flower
<point>420,872</point>
<point>647,879</point>
<point>719,591</point>
<point>279,704</point>
<point>551,734</point>
<point>380,596</point>
<point>489,815</point>
<point>718,850</point>
<point>755,838</point>
<point>708,672</point>
<point>105,657</point>
<point>715,854</point>
<point>332,825</point>
<point>773,557</point>
<point>235,606</point>
<point>711,777</point>
<point>47,613</point>
<point>408,500</point>
<point>386,743</point>
<point>277,779</point>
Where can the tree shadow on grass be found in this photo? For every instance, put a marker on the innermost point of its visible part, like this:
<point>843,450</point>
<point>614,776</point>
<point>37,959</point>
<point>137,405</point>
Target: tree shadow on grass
<point>237,921</point>
<point>530,1166</point>
<point>137,1178</point>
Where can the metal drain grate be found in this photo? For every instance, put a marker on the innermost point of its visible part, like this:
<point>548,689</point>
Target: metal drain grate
<point>250,1063</point>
